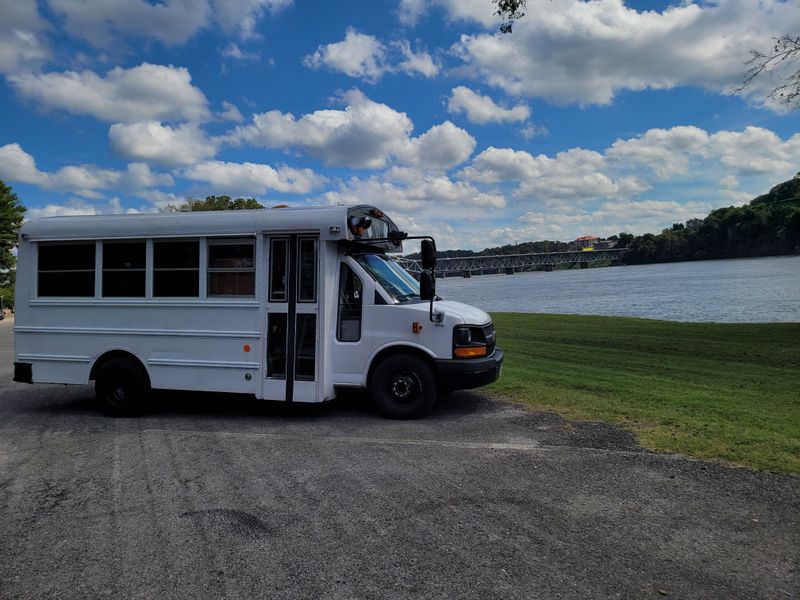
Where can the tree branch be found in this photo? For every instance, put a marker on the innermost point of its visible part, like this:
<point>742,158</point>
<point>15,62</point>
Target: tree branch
<point>510,10</point>
<point>785,53</point>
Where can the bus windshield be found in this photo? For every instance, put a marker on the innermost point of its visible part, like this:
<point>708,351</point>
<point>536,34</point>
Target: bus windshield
<point>397,282</point>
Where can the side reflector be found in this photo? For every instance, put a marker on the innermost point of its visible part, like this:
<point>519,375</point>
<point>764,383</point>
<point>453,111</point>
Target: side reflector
<point>470,352</point>
<point>416,327</point>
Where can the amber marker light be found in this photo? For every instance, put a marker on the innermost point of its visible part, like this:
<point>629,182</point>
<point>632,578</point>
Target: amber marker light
<point>471,352</point>
<point>416,327</point>
<point>246,348</point>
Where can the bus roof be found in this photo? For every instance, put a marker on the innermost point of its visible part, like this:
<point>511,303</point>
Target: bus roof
<point>325,219</point>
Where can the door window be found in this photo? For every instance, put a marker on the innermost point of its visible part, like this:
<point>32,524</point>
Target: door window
<point>351,292</point>
<point>307,277</point>
<point>278,269</point>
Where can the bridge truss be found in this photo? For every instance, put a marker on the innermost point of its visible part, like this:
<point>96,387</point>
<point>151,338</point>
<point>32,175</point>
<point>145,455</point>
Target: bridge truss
<point>513,263</point>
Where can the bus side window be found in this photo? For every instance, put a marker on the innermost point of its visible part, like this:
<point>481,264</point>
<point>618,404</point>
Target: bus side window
<point>351,292</point>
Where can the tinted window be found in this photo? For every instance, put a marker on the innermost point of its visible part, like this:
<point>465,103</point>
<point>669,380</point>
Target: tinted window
<point>276,345</point>
<point>176,271</point>
<point>306,347</point>
<point>307,279</point>
<point>124,269</point>
<point>278,268</point>
<point>66,270</point>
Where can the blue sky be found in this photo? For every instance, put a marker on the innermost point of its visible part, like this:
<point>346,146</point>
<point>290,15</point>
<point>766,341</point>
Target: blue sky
<point>590,118</point>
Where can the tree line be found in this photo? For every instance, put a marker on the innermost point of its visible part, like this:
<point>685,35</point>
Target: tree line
<point>768,225</point>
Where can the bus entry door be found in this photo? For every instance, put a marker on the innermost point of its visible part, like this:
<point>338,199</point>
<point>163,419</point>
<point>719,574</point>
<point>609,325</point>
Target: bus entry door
<point>292,341</point>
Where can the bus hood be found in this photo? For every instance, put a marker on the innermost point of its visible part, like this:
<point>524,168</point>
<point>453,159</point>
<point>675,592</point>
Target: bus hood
<point>469,315</point>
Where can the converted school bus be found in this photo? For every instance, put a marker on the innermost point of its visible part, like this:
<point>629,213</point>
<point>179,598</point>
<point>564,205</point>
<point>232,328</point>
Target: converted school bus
<point>286,304</point>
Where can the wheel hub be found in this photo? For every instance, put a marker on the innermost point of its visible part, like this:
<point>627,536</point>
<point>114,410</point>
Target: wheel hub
<point>403,387</point>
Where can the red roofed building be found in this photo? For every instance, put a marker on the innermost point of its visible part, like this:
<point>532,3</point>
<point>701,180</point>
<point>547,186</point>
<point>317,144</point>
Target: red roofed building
<point>593,242</point>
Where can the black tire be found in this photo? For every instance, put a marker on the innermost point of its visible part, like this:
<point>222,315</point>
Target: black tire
<point>121,388</point>
<point>403,387</point>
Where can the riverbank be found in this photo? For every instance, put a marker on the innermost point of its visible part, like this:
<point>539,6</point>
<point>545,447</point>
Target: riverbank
<point>728,391</point>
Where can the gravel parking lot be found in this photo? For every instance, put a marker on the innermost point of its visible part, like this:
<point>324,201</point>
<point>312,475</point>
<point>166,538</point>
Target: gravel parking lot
<point>219,496</point>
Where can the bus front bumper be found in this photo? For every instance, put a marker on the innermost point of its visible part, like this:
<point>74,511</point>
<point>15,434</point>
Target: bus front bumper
<point>468,373</point>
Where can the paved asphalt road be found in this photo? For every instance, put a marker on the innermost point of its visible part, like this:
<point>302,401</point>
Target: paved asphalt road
<point>224,497</point>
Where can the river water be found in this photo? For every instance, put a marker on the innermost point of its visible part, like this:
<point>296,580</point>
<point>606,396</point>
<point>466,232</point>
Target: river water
<point>740,290</point>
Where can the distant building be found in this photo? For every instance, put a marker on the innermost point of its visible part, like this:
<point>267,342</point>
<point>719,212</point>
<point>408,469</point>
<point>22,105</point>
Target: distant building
<point>587,241</point>
<point>591,242</point>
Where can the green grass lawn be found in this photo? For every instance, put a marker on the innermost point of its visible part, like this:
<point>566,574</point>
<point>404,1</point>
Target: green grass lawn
<point>710,390</point>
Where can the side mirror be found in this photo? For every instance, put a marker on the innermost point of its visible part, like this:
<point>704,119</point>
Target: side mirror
<point>428,251</point>
<point>427,286</point>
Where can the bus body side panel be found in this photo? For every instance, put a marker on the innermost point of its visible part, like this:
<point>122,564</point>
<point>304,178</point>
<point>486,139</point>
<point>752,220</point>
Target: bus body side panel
<point>183,345</point>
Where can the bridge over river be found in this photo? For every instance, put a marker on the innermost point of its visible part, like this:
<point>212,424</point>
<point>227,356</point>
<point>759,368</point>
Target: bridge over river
<point>466,266</point>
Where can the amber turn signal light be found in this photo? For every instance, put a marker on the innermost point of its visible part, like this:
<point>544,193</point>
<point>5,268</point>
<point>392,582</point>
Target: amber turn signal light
<point>470,352</point>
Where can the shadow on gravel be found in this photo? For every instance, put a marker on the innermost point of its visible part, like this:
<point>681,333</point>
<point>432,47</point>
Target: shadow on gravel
<point>471,413</point>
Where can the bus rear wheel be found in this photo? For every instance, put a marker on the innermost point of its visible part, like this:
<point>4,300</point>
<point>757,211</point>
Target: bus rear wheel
<point>121,388</point>
<point>403,387</point>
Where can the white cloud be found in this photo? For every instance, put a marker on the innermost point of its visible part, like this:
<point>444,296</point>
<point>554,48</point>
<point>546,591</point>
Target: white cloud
<point>21,43</point>
<point>18,165</point>
<point>482,109</point>
<point>253,179</point>
<point>531,131</point>
<point>365,134</point>
<point>441,147</point>
<point>416,62</point>
<point>666,151</point>
<point>756,151</point>
<point>412,192</point>
<point>104,23</point>
<point>84,180</point>
<point>366,57</point>
<point>233,51</point>
<point>608,218</point>
<point>480,11</point>
<point>358,55</point>
<point>159,199</point>
<point>495,165</point>
<point>76,206</point>
<point>585,52</point>
<point>626,169</point>
<point>146,92</point>
<point>572,176</point>
<point>153,142</point>
<point>242,16</point>
<point>231,112</point>
<point>680,150</point>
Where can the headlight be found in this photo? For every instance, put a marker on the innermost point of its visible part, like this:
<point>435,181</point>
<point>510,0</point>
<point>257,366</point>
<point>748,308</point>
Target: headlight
<point>469,341</point>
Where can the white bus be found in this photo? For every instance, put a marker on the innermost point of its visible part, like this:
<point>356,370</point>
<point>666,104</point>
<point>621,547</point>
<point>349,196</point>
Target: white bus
<point>287,304</point>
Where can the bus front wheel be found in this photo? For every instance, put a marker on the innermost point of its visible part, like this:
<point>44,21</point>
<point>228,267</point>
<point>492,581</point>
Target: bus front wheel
<point>403,387</point>
<point>121,388</point>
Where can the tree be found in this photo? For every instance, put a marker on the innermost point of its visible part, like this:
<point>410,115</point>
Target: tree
<point>769,225</point>
<point>785,54</point>
<point>625,240</point>
<point>214,203</point>
<point>11,213</point>
<point>510,11</point>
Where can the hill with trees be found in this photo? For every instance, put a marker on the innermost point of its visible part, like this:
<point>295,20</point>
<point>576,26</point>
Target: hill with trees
<point>768,225</point>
